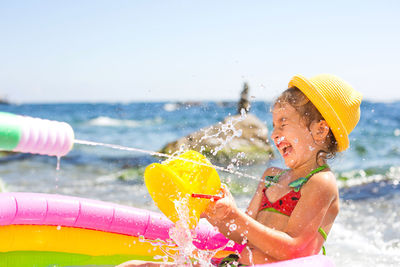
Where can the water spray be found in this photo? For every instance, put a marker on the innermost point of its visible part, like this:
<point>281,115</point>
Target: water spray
<point>53,138</point>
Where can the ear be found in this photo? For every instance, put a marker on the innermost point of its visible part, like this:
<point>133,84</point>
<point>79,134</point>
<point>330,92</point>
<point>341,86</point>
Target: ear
<point>319,130</point>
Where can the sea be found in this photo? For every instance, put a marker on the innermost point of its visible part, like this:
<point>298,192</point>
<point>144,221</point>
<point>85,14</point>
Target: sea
<point>366,231</point>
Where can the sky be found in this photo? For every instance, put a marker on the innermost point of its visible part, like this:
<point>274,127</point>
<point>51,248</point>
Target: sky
<point>169,50</point>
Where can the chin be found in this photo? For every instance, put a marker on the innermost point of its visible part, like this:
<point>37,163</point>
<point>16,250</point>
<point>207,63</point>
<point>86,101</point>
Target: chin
<point>289,162</point>
<point>292,161</point>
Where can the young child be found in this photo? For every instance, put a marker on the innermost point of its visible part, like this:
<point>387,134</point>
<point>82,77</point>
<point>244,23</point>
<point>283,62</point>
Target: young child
<point>293,210</point>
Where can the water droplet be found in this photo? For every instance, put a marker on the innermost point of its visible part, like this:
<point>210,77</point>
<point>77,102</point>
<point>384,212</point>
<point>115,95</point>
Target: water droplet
<point>230,167</point>
<point>280,139</point>
<point>59,227</point>
<point>230,243</point>
<point>232,227</point>
<point>58,163</point>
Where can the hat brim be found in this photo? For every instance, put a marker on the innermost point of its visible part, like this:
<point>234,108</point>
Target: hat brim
<point>326,110</point>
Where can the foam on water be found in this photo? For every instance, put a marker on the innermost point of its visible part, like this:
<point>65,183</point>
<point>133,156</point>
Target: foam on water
<point>360,177</point>
<point>111,122</point>
<point>366,232</point>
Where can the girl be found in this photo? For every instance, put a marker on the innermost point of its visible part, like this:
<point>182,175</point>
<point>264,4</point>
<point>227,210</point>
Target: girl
<point>293,210</point>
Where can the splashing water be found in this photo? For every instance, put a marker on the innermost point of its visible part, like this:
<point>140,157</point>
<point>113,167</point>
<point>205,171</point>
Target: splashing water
<point>58,163</point>
<point>280,140</point>
<point>58,171</point>
<point>158,154</point>
<point>188,254</point>
<point>227,133</point>
<point>182,235</point>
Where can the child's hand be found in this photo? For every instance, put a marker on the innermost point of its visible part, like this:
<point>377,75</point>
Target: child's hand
<point>222,209</point>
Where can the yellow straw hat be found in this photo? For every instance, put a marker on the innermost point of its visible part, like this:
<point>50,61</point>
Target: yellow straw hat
<point>336,100</point>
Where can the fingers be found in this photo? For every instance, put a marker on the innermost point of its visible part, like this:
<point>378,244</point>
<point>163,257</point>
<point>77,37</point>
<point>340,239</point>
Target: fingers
<point>208,211</point>
<point>225,190</point>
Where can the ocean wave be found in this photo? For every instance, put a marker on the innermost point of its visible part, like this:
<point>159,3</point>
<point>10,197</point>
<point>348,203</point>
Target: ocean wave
<point>358,185</point>
<point>171,107</point>
<point>111,122</point>
<point>178,105</point>
<point>366,233</point>
<point>363,177</point>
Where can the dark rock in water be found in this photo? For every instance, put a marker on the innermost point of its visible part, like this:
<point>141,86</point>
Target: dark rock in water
<point>238,139</point>
<point>7,156</point>
<point>244,103</point>
<point>4,101</point>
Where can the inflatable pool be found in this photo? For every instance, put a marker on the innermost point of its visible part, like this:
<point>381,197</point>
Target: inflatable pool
<point>53,230</point>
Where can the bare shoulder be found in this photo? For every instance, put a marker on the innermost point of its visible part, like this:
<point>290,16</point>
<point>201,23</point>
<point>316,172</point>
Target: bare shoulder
<point>324,182</point>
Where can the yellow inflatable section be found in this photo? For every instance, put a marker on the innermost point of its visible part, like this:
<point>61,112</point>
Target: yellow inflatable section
<point>176,179</point>
<point>76,240</point>
<point>81,241</point>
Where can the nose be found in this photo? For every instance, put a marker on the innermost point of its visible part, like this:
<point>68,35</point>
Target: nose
<point>275,134</point>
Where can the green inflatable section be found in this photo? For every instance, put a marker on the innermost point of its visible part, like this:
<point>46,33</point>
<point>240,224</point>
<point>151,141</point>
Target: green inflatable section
<point>10,131</point>
<point>58,259</point>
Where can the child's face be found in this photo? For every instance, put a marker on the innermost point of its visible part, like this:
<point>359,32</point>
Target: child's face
<point>292,137</point>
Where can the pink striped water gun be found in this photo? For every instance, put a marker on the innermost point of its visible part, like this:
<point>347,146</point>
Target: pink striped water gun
<point>33,135</point>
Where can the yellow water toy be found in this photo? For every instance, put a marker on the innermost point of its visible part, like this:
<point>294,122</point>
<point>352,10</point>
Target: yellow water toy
<point>179,178</point>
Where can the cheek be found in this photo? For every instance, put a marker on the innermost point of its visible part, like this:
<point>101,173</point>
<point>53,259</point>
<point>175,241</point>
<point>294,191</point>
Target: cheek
<point>302,139</point>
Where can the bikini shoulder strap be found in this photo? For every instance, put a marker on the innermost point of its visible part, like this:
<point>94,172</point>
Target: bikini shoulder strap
<point>298,183</point>
<point>273,179</point>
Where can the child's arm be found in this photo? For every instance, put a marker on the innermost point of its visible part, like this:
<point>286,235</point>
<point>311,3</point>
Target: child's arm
<point>302,228</point>
<point>254,205</point>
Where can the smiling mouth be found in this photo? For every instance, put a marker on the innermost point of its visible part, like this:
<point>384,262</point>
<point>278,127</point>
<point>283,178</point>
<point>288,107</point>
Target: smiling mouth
<point>285,148</point>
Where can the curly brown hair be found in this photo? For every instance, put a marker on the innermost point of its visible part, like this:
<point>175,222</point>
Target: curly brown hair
<point>295,98</point>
